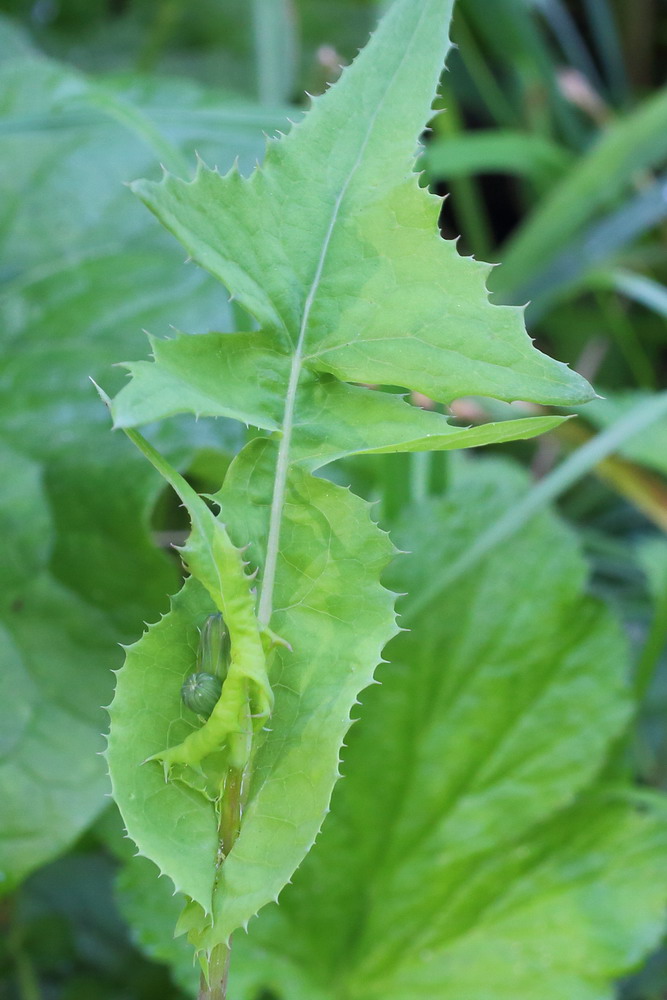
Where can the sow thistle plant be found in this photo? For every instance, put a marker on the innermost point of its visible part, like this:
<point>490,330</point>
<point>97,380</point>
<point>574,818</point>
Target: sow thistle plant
<point>224,779</point>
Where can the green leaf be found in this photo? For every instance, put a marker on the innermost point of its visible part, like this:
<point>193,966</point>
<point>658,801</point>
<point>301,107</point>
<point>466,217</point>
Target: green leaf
<point>332,418</point>
<point>337,620</point>
<point>211,558</point>
<point>637,287</point>
<point>652,553</point>
<point>638,419</point>
<point>332,247</point>
<point>358,322</point>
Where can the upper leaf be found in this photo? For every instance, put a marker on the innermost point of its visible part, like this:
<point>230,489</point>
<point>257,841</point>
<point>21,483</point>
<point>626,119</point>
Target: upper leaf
<point>334,248</point>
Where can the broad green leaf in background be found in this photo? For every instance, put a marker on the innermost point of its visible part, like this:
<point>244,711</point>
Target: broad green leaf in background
<point>471,850</point>
<point>333,248</point>
<point>82,272</point>
<point>50,779</point>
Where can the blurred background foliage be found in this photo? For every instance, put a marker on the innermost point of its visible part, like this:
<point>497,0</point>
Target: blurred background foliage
<point>552,152</point>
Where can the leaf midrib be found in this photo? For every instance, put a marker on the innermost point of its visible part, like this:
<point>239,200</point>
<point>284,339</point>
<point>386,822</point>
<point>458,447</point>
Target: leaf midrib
<point>265,608</point>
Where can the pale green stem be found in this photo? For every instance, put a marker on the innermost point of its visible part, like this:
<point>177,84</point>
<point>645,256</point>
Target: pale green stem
<point>230,822</point>
<point>218,971</point>
<point>230,811</point>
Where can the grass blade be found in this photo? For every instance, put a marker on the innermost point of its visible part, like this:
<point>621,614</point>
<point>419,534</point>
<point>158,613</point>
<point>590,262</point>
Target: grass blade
<point>546,491</point>
<point>635,143</point>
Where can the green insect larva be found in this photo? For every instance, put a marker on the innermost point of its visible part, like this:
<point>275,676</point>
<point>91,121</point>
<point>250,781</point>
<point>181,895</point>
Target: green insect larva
<point>200,693</point>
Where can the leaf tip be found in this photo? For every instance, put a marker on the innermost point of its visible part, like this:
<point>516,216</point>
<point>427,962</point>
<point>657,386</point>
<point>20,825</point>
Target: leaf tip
<point>101,393</point>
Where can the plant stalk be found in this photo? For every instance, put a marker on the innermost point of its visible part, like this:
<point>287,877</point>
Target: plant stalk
<point>214,987</point>
<point>218,972</point>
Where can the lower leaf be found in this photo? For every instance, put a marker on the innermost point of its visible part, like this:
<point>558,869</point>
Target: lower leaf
<point>336,616</point>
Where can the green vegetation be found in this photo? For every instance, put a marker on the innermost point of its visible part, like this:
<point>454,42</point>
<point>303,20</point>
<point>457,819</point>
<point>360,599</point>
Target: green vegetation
<point>500,829</point>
